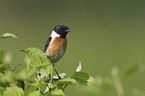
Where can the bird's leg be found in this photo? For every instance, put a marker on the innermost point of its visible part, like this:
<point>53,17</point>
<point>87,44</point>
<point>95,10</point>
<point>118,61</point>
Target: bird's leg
<point>57,74</point>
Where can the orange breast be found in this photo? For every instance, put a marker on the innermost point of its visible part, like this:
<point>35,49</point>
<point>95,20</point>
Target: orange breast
<point>55,47</point>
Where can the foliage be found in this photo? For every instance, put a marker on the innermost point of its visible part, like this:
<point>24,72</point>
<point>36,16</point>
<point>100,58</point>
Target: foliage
<point>35,79</point>
<point>114,81</point>
<point>8,35</point>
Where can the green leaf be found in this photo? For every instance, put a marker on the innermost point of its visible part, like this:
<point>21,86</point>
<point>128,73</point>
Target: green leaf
<point>56,92</point>
<point>8,35</point>
<point>24,74</point>
<point>38,59</point>
<point>4,67</point>
<point>13,91</point>
<point>36,56</point>
<point>101,88</point>
<point>7,58</point>
<point>67,81</point>
<point>84,79</point>
<point>35,93</point>
<point>79,67</point>
<point>8,76</point>
<point>4,61</point>
<point>31,88</point>
<point>62,75</point>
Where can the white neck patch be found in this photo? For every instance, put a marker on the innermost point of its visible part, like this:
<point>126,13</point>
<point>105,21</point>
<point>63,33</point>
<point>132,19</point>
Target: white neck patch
<point>54,34</point>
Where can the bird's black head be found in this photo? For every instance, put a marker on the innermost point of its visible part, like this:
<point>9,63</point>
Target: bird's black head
<point>62,30</point>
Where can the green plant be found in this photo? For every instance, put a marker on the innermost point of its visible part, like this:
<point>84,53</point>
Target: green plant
<point>30,81</point>
<point>114,82</point>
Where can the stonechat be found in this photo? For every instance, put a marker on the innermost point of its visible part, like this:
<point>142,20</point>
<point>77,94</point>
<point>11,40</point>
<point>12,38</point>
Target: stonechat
<point>56,44</point>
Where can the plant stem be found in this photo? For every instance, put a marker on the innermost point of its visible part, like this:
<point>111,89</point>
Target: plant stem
<point>117,82</point>
<point>25,90</point>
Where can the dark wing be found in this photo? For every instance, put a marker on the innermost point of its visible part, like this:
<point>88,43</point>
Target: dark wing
<point>47,44</point>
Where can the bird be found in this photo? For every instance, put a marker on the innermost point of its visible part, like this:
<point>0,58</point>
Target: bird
<point>56,44</point>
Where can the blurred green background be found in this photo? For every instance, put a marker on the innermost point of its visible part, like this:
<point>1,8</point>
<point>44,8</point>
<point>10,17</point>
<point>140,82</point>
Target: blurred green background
<point>105,33</point>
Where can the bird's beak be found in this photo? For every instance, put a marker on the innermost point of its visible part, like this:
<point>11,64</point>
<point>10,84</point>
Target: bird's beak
<point>68,31</point>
